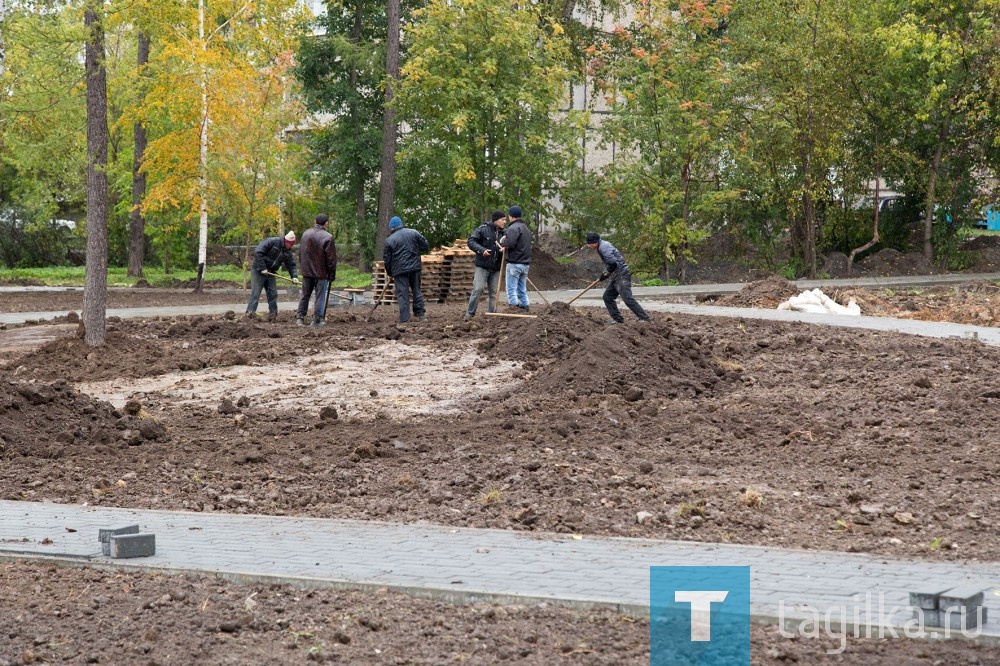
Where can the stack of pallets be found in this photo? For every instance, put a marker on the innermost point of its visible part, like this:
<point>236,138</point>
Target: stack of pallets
<point>461,269</point>
<point>446,275</point>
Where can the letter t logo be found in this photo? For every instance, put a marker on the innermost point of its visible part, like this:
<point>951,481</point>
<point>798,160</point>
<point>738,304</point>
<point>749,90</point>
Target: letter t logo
<point>701,610</point>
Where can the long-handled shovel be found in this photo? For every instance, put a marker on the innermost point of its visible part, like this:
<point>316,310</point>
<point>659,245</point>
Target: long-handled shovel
<point>378,301</point>
<point>280,277</point>
<point>539,292</point>
<point>589,287</point>
<point>326,303</point>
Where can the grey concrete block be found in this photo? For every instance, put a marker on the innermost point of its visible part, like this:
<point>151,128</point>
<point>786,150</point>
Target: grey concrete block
<point>952,618</point>
<point>931,617</point>
<point>964,596</point>
<point>927,598</point>
<point>106,548</point>
<point>104,535</point>
<point>132,545</point>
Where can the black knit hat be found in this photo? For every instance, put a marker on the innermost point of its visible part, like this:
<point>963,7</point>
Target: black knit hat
<point>497,215</point>
<point>592,238</point>
<point>515,211</point>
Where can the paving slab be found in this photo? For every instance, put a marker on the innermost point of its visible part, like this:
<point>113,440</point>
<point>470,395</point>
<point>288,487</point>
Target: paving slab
<point>466,564</point>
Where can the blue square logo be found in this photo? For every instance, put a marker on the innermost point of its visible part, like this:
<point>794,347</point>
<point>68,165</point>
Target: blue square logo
<point>699,616</point>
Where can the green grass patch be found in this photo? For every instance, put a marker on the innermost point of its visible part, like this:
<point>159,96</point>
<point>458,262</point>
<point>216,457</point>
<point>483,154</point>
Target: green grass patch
<point>73,276</point>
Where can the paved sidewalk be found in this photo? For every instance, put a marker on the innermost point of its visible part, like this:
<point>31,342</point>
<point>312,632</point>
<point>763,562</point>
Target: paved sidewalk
<point>650,296</point>
<point>462,564</point>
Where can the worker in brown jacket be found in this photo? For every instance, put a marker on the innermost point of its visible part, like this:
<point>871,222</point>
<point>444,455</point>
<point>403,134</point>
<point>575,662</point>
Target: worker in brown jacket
<point>318,267</point>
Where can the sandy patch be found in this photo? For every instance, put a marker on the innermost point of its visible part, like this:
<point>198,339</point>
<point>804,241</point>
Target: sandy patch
<point>391,376</point>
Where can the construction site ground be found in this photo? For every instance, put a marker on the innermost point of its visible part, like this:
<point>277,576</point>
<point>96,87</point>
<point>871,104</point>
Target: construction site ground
<point>687,428</point>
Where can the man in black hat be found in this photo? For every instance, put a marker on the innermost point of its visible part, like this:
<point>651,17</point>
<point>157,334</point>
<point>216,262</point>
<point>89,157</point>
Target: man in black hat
<point>485,242</point>
<point>517,245</point>
<point>618,272</point>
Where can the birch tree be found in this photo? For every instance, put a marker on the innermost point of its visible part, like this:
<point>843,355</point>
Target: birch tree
<point>212,51</point>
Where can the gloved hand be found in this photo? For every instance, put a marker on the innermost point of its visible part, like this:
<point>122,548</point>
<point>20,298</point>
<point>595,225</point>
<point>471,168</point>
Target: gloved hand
<point>265,272</point>
<point>604,276</point>
<point>296,281</point>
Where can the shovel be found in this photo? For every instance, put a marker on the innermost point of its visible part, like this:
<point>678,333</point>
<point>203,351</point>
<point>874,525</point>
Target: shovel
<point>280,277</point>
<point>378,301</point>
<point>589,287</point>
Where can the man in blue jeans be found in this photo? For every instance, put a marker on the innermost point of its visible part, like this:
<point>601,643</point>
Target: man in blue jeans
<point>517,245</point>
<point>620,275</point>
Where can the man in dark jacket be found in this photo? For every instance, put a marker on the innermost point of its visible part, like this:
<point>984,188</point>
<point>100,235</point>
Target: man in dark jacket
<point>318,264</point>
<point>485,242</point>
<point>401,254</point>
<point>618,272</point>
<point>268,257</point>
<point>517,245</point>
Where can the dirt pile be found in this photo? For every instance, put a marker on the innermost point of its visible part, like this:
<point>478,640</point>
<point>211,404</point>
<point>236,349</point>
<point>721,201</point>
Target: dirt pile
<point>766,293</point>
<point>127,354</point>
<point>580,356</point>
<point>893,262</point>
<point>547,273</point>
<point>52,420</point>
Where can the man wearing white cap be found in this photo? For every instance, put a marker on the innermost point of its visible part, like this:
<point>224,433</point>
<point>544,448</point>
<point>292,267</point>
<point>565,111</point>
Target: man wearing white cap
<point>270,255</point>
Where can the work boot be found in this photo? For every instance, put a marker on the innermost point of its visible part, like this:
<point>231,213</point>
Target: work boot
<point>524,307</point>
<point>615,321</point>
<point>422,317</point>
<point>299,321</point>
<point>273,317</point>
<point>467,317</point>
<point>318,323</point>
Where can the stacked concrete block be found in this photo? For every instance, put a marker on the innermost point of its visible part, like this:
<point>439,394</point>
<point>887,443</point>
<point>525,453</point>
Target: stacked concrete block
<point>959,608</point>
<point>126,542</point>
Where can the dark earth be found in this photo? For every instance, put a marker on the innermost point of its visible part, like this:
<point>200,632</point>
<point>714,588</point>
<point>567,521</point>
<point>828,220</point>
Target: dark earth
<point>725,430</point>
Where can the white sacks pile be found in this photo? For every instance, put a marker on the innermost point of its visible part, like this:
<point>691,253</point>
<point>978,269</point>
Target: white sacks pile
<point>817,302</point>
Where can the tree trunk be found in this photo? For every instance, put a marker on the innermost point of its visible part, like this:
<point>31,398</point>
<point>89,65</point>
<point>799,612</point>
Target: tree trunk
<point>387,180</point>
<point>137,225</point>
<point>203,161</point>
<point>931,198</point>
<point>3,42</point>
<point>359,172</point>
<point>95,292</point>
<point>878,197</point>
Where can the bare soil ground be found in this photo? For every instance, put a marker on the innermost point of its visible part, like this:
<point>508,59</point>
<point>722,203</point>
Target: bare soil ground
<point>724,430</point>
<point>90,616</point>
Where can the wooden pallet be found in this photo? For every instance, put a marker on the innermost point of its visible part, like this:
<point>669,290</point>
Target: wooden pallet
<point>446,275</point>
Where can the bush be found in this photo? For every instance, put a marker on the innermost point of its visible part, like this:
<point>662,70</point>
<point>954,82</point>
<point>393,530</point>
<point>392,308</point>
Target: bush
<point>25,244</point>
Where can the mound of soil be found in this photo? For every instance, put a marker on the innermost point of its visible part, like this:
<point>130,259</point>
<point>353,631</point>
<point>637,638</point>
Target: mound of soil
<point>579,356</point>
<point>143,355</point>
<point>766,293</point>
<point>889,262</point>
<point>52,420</point>
<point>547,273</point>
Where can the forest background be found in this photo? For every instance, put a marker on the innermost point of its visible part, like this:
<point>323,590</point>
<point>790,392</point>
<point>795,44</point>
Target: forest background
<point>761,123</point>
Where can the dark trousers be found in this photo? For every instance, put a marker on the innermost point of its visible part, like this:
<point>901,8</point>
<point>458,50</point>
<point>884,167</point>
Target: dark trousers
<point>405,283</point>
<point>269,286</point>
<point>622,285</point>
<point>310,284</point>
